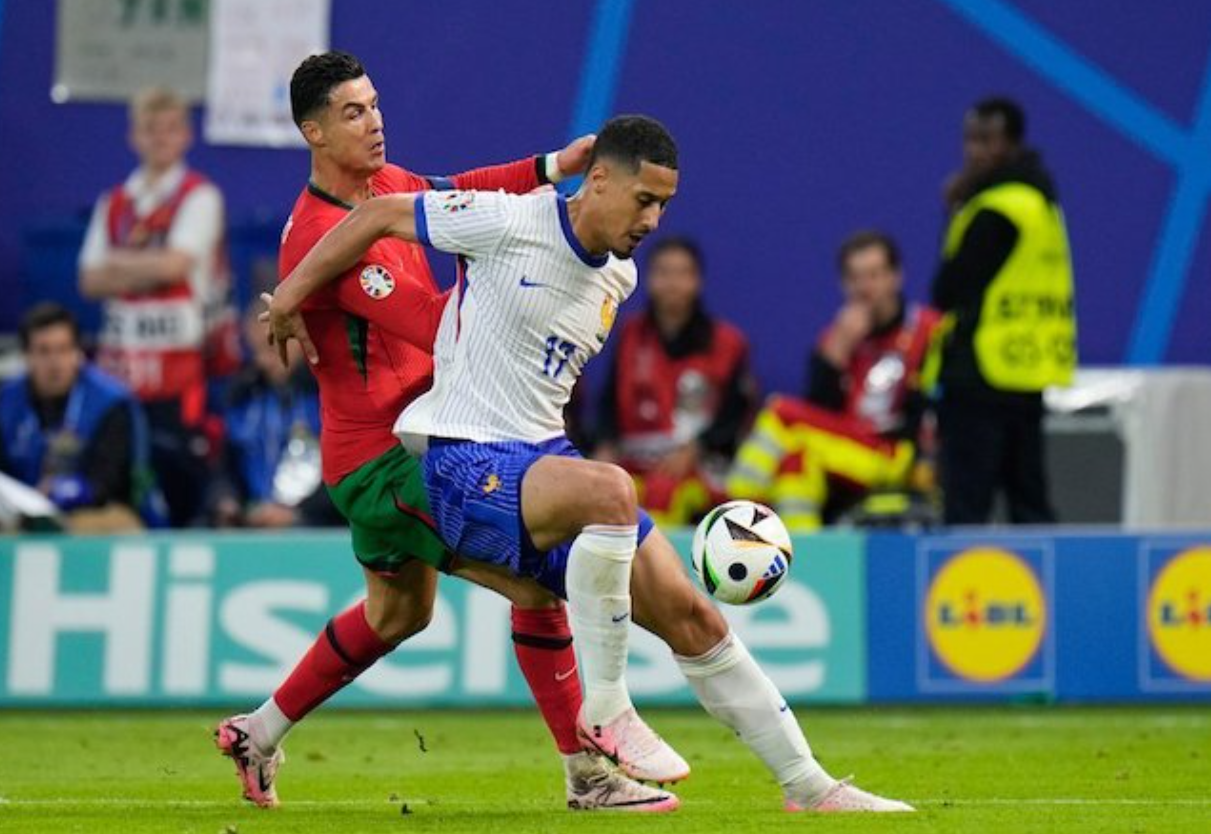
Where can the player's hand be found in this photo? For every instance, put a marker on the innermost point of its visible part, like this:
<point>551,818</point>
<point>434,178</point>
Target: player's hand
<point>285,326</point>
<point>574,159</point>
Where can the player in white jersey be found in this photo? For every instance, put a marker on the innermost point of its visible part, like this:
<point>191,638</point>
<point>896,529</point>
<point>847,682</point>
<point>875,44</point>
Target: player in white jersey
<point>539,285</point>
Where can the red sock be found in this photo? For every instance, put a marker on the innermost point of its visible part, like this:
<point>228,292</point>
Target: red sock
<point>345,648</point>
<point>543,643</point>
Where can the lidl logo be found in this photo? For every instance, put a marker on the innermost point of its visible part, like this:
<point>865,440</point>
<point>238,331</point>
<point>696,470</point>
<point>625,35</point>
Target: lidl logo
<point>1178,612</point>
<point>986,615</point>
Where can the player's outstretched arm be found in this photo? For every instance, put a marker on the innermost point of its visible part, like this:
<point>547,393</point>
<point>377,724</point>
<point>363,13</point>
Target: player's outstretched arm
<point>388,216</point>
<point>345,243</point>
<point>527,174</point>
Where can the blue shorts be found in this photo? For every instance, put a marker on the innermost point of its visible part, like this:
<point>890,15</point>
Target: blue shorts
<point>475,496</point>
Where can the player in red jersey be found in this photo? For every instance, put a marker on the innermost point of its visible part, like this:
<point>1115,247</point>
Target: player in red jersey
<point>374,331</point>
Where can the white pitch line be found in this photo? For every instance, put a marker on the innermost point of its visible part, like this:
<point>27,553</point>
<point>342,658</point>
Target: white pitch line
<point>112,802</point>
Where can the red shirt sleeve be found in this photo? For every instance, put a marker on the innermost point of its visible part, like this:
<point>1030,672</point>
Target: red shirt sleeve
<point>520,177</point>
<point>411,310</point>
<point>517,177</point>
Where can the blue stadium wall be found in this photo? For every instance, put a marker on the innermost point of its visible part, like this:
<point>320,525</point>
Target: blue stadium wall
<point>219,619</point>
<point>798,123</point>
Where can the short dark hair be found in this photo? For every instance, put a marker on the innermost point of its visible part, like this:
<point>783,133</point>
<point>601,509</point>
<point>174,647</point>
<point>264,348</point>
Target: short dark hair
<point>678,243</point>
<point>44,315</point>
<point>865,239</point>
<point>314,79</point>
<point>633,140</point>
<point>1013,117</point>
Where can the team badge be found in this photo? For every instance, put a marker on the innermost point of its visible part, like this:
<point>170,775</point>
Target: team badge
<point>609,312</point>
<point>491,484</point>
<point>376,282</point>
<point>456,201</point>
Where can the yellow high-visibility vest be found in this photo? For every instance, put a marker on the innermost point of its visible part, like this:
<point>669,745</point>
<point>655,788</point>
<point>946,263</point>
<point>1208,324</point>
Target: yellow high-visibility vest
<point>1025,339</point>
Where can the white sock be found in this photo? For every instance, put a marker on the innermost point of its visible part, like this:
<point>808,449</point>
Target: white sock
<point>732,688</point>
<point>599,604</point>
<point>268,726</point>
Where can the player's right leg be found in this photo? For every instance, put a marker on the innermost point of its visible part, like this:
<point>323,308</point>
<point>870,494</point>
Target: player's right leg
<point>542,641</point>
<point>594,505</point>
<point>509,503</point>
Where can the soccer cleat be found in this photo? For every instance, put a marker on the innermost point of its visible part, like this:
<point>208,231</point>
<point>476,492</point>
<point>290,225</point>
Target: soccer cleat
<point>844,797</point>
<point>596,785</point>
<point>255,770</point>
<point>632,745</point>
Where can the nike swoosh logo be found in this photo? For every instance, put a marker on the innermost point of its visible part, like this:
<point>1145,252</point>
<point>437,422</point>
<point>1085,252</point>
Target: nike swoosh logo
<point>563,676</point>
<point>620,617</point>
<point>526,282</point>
<point>784,707</point>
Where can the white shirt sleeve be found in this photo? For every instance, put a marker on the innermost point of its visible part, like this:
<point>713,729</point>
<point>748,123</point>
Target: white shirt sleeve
<point>471,223</point>
<point>198,226</point>
<point>96,240</point>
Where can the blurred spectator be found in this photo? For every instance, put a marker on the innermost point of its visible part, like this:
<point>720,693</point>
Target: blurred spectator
<point>270,475</point>
<point>858,427</point>
<point>72,432</point>
<point>1005,283</point>
<point>154,252</point>
<point>679,393</point>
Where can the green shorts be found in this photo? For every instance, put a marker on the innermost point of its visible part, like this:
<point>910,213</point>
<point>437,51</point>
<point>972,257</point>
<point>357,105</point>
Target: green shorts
<point>387,508</point>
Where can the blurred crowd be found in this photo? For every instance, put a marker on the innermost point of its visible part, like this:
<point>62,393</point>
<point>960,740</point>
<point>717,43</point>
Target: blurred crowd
<point>912,411</point>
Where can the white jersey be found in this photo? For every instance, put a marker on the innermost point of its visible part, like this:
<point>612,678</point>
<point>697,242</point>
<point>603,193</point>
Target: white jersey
<point>531,308</point>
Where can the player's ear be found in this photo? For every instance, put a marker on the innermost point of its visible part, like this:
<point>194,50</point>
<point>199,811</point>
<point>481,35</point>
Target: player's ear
<point>312,132</point>
<point>598,175</point>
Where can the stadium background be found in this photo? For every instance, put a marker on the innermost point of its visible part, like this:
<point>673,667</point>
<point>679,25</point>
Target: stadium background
<point>798,122</point>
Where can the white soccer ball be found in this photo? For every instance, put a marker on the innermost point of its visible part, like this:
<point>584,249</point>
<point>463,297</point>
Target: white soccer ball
<point>741,552</point>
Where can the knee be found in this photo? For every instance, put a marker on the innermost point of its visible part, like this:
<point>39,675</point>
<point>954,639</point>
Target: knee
<point>395,624</point>
<point>614,496</point>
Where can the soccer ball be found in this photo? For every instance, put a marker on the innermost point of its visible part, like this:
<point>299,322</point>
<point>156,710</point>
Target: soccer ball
<point>741,552</point>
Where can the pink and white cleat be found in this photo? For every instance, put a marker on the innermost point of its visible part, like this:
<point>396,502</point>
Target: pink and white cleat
<point>594,784</point>
<point>844,798</point>
<point>255,769</point>
<point>632,745</point>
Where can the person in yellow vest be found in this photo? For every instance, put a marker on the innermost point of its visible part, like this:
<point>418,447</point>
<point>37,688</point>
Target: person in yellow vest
<point>1009,331</point>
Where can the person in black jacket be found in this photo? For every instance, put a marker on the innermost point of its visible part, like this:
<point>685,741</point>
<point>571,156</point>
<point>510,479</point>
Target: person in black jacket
<point>1005,283</point>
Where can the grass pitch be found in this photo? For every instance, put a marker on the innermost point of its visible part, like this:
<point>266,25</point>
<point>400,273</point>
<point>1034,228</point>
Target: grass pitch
<point>987,770</point>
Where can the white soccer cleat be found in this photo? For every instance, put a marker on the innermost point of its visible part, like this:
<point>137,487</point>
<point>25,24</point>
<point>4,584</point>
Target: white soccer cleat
<point>632,745</point>
<point>256,770</point>
<point>594,784</point>
<point>845,798</point>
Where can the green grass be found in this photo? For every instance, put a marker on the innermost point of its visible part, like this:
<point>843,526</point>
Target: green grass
<point>968,770</point>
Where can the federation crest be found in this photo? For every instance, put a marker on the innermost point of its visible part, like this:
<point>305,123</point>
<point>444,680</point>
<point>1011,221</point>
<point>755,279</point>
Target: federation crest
<point>376,282</point>
<point>609,312</point>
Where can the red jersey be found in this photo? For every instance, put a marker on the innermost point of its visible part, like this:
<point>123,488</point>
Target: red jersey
<point>665,400</point>
<point>884,370</point>
<point>374,326</point>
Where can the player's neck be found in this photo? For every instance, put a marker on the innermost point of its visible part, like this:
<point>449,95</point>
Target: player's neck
<point>347,187</point>
<point>579,217</point>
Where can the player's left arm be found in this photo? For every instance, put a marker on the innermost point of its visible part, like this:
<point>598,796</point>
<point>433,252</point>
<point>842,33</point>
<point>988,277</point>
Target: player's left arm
<point>524,175</point>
